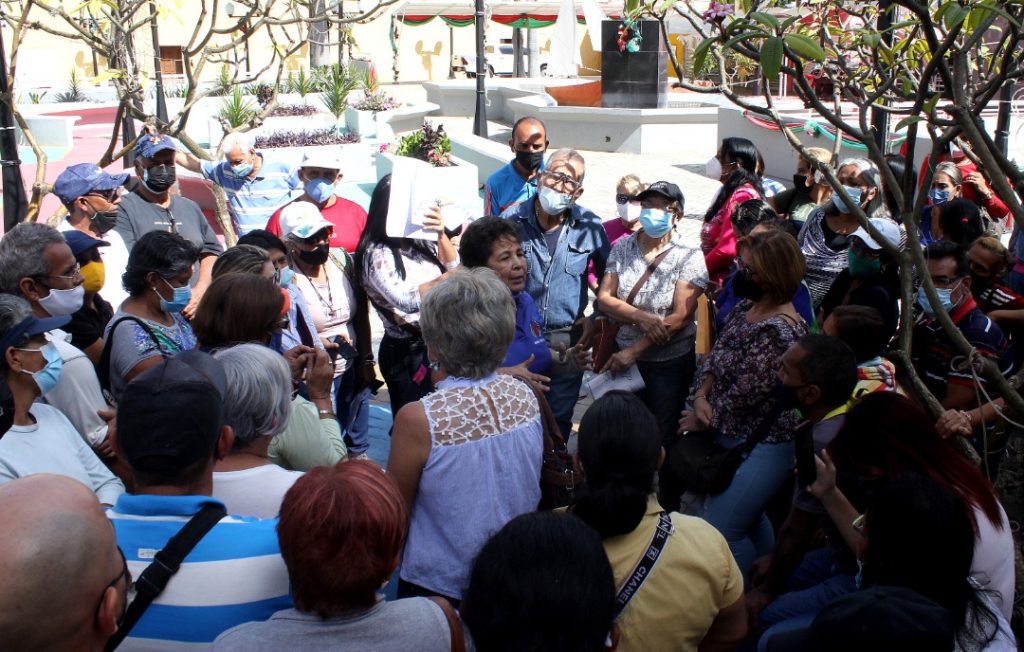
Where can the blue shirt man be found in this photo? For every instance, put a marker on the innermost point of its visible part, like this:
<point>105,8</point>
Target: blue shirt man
<point>560,239</point>
<point>516,183</point>
<point>255,187</point>
<point>170,432</point>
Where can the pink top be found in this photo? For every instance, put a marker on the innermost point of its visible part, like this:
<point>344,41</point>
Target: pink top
<point>616,231</point>
<point>717,239</point>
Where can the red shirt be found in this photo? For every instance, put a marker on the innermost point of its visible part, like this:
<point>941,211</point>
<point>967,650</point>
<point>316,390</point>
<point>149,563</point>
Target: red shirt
<point>348,218</point>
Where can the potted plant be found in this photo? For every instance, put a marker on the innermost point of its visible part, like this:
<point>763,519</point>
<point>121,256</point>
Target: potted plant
<point>362,116</point>
<point>427,144</point>
<point>335,93</point>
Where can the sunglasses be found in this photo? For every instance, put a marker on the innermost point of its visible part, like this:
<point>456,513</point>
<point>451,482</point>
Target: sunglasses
<point>623,199</point>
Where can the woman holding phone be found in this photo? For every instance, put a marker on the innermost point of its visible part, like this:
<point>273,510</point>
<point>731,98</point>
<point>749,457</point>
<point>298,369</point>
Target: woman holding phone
<point>339,315</point>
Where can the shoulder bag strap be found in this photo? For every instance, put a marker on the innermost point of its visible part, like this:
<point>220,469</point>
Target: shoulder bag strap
<point>647,274</point>
<point>643,568</point>
<point>103,367</point>
<point>395,319</point>
<point>553,440</point>
<point>154,579</point>
<point>454,624</point>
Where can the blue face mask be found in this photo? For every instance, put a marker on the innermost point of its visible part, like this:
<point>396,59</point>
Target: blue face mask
<point>319,190</point>
<point>655,222</point>
<point>242,170</point>
<point>287,276</point>
<point>181,298</point>
<point>47,377</point>
<point>945,298</point>
<point>853,191</point>
<point>938,196</point>
<point>552,201</point>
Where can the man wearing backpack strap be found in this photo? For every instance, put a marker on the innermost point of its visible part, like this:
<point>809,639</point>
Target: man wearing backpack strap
<point>217,570</point>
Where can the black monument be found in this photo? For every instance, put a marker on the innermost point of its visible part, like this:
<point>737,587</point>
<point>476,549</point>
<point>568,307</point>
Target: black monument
<point>634,80</point>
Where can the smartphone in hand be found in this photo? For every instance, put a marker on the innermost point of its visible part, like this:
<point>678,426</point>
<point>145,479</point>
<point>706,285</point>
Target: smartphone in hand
<point>344,349</point>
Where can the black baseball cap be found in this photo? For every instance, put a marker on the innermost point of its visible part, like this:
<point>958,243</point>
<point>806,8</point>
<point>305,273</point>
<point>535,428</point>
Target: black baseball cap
<point>663,189</point>
<point>170,416</point>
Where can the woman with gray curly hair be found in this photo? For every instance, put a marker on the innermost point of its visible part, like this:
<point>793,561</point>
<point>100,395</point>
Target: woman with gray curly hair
<point>466,457</point>
<point>258,406</point>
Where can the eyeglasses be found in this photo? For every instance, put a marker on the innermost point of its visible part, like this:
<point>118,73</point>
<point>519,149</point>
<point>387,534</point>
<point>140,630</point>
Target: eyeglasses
<point>557,180</point>
<point>107,195</point>
<point>623,199</point>
<point>76,273</point>
<point>945,282</point>
<point>124,574</point>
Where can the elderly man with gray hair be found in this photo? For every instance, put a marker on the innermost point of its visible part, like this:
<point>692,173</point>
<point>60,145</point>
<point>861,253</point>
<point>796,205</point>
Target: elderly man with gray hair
<point>466,457</point>
<point>560,239</point>
<point>255,186</point>
<point>36,264</point>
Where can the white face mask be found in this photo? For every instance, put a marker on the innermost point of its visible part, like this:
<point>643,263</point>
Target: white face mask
<point>629,212</point>
<point>713,169</point>
<point>63,302</point>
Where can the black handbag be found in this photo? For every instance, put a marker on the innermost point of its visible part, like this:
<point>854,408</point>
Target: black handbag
<point>705,467</point>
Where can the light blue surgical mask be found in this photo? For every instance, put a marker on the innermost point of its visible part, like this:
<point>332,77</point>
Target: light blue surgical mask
<point>242,170</point>
<point>853,191</point>
<point>47,377</point>
<point>287,276</point>
<point>181,298</point>
<point>319,190</point>
<point>655,222</point>
<point>554,202</point>
<point>938,196</point>
<point>945,299</point>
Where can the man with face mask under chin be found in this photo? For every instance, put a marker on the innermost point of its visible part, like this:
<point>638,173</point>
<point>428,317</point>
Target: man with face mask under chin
<point>935,357</point>
<point>151,206</point>
<point>516,182</point>
<point>91,197</point>
<point>560,239</point>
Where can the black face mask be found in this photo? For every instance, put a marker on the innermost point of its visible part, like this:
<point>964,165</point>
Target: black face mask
<point>799,181</point>
<point>745,288</point>
<point>785,396</point>
<point>979,283</point>
<point>159,177</point>
<point>530,160</point>
<point>104,221</point>
<point>317,256</point>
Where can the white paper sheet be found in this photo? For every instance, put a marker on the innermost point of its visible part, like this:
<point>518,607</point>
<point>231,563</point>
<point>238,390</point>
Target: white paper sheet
<point>416,186</point>
<point>629,380</point>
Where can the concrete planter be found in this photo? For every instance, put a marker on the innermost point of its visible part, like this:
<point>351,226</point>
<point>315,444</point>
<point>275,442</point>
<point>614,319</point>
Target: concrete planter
<point>385,124</point>
<point>363,123</point>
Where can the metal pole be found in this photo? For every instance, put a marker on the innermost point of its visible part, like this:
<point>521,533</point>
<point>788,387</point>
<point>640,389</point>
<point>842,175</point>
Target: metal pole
<point>480,117</point>
<point>341,36</point>
<point>161,104</point>
<point>879,118</point>
<point>451,52</point>
<point>1003,116</point>
<point>517,52</point>
<point>532,53</point>
<point>14,199</point>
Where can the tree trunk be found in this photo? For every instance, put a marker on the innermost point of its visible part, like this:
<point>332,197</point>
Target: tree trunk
<point>319,36</point>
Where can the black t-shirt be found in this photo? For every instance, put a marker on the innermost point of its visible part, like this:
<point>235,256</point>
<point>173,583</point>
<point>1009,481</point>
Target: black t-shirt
<point>87,325</point>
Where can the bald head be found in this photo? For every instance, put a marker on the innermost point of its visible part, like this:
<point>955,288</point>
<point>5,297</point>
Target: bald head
<point>58,554</point>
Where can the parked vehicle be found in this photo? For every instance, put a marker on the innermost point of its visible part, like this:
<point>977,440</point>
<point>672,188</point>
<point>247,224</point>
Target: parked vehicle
<point>498,59</point>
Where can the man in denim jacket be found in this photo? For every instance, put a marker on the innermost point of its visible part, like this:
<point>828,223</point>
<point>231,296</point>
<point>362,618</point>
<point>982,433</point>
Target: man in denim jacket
<point>560,239</point>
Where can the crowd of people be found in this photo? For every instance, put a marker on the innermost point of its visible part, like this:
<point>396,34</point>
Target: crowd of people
<point>776,482</point>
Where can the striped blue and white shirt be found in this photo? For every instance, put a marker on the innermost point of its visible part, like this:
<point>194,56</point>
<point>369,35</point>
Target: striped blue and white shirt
<point>253,200</point>
<point>235,574</point>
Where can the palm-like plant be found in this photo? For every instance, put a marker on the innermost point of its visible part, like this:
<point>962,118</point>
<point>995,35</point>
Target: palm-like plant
<point>236,111</point>
<point>335,95</point>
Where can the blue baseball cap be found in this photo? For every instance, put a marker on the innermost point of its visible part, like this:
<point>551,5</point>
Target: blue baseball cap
<point>30,326</point>
<point>80,242</point>
<point>83,178</point>
<point>150,146</point>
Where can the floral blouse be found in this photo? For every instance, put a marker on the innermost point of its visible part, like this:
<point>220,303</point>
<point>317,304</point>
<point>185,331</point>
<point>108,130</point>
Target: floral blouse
<point>745,362</point>
<point>401,296</point>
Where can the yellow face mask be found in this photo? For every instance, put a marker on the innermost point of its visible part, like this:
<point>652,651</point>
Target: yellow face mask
<point>94,274</point>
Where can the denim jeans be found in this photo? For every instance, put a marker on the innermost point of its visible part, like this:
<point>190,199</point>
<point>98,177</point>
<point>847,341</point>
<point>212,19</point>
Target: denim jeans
<point>739,512</point>
<point>353,412</point>
<point>817,581</point>
<point>562,396</point>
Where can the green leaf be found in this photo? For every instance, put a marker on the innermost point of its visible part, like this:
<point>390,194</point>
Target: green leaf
<point>929,106</point>
<point>746,36</point>
<point>954,15</point>
<point>700,53</point>
<point>771,58</point>
<point>792,19</point>
<point>805,46</point>
<point>769,21</point>
<point>907,121</point>
<point>872,39</point>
